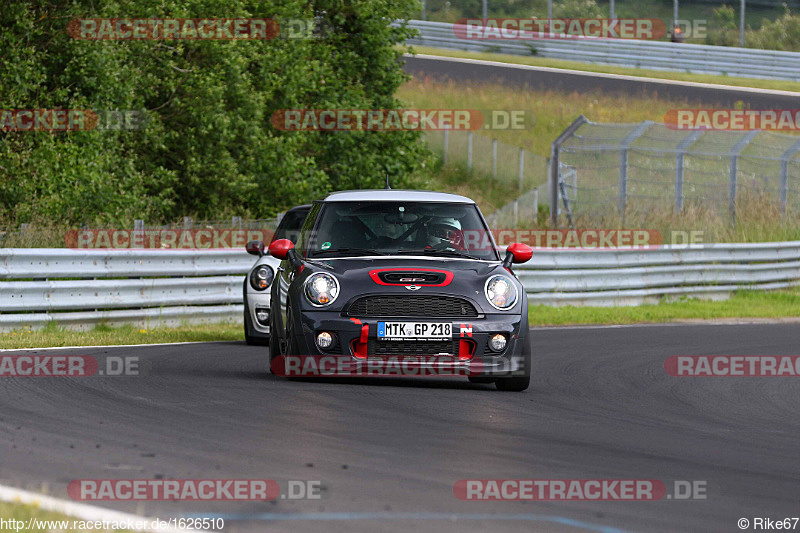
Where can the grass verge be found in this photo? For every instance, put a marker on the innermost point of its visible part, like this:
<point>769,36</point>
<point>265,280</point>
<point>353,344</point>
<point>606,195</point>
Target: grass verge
<point>548,113</point>
<point>54,336</point>
<point>610,69</point>
<point>758,215</point>
<point>743,304</point>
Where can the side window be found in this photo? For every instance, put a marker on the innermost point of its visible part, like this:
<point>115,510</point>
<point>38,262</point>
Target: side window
<point>305,234</point>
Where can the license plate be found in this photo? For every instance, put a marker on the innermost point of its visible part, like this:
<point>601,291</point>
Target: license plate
<point>414,331</point>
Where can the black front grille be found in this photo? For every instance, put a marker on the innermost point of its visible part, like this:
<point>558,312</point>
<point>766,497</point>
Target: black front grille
<point>383,348</point>
<point>412,306</point>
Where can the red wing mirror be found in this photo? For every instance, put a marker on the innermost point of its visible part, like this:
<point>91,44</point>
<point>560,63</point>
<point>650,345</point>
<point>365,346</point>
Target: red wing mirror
<point>517,253</point>
<point>255,248</point>
<point>280,249</point>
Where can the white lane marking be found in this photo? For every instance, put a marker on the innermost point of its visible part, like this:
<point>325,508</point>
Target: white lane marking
<point>624,77</point>
<point>110,346</point>
<point>709,322</point>
<point>81,511</point>
<point>388,515</point>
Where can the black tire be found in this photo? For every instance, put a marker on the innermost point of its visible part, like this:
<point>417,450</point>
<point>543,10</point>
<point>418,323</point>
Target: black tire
<point>274,348</point>
<point>481,380</point>
<point>518,383</point>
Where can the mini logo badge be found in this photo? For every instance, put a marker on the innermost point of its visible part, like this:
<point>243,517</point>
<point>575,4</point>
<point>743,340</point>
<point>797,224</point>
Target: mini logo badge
<point>413,287</point>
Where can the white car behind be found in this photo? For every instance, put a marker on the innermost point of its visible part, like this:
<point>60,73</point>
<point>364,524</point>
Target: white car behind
<point>259,279</point>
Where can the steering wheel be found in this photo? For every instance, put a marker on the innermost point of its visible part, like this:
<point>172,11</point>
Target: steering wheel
<point>457,240</point>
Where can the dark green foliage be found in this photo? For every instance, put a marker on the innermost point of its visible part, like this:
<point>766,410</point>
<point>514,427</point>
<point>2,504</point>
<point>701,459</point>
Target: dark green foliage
<point>209,148</point>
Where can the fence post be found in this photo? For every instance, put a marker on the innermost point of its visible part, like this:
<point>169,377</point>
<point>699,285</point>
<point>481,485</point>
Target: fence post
<point>138,233</point>
<point>555,147</point>
<point>734,159</point>
<point>521,168</point>
<point>188,222</point>
<point>623,162</point>
<point>682,147</point>
<point>469,151</point>
<point>236,222</point>
<point>494,158</point>
<point>446,143</point>
<point>784,186</point>
<point>516,213</point>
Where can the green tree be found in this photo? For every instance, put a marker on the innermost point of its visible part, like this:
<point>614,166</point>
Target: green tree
<point>782,33</point>
<point>209,148</point>
<point>723,28</point>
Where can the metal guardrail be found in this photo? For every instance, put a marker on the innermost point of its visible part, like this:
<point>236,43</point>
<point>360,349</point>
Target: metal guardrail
<point>656,55</point>
<point>632,277</point>
<point>159,287</point>
<point>143,287</point>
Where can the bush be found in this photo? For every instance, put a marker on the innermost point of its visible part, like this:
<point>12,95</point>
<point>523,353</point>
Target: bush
<point>209,148</point>
<point>782,33</point>
<point>723,28</point>
<point>579,9</point>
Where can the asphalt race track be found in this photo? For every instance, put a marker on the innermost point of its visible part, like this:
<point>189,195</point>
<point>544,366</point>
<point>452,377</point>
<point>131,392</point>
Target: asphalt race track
<point>542,78</point>
<point>389,451</point>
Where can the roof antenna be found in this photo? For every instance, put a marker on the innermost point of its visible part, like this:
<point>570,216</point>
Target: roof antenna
<point>387,188</point>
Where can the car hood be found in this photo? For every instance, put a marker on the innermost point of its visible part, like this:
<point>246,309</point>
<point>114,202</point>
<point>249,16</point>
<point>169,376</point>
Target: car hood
<point>458,277</point>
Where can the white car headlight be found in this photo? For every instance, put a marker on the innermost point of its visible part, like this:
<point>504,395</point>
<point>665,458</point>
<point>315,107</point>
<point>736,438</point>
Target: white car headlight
<point>261,277</point>
<point>501,292</point>
<point>321,288</point>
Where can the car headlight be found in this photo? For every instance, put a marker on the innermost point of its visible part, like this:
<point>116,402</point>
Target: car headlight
<point>261,277</point>
<point>501,292</point>
<point>321,288</point>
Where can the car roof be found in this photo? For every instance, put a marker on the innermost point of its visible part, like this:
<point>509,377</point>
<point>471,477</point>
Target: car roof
<point>396,195</point>
<point>306,207</point>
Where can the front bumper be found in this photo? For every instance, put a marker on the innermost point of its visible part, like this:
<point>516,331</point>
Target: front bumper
<point>255,302</point>
<point>468,351</point>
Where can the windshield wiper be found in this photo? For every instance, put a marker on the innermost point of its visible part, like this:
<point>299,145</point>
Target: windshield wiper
<point>433,251</point>
<point>357,251</point>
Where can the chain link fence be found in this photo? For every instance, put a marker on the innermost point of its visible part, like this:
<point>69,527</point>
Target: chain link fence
<point>648,167</point>
<point>498,164</point>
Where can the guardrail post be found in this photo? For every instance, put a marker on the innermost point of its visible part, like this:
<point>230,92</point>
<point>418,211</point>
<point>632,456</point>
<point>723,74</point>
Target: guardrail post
<point>623,162</point>
<point>555,148</point>
<point>784,185</point>
<point>682,147</point>
<point>734,158</point>
<point>469,151</point>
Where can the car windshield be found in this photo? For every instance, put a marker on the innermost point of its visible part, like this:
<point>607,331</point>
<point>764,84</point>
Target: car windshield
<point>290,225</point>
<point>348,229</point>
